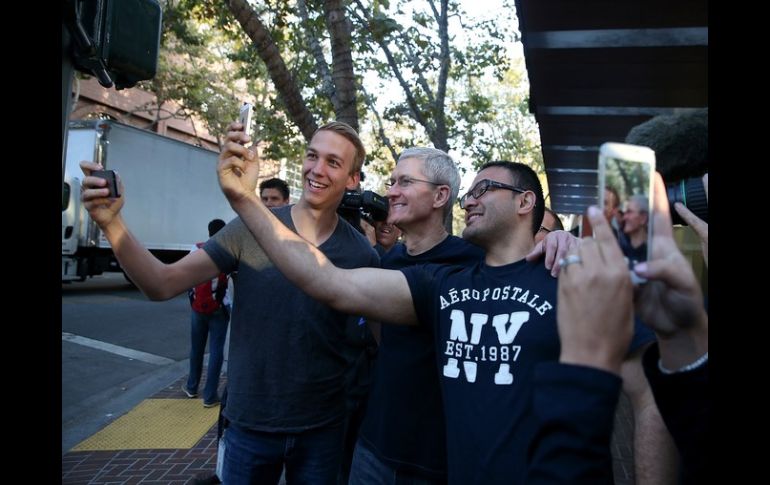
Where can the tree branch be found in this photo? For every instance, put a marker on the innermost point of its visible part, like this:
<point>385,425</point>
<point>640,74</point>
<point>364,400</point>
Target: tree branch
<point>416,69</point>
<point>411,102</point>
<point>380,127</point>
<point>441,130</point>
<point>284,82</point>
<point>327,84</point>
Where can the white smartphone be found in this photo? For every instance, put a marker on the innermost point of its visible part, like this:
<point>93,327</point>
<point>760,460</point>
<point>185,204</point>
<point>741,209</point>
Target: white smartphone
<point>247,110</point>
<point>625,196</point>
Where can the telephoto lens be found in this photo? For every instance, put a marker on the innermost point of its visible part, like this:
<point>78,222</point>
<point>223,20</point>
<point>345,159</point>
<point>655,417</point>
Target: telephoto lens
<point>691,194</point>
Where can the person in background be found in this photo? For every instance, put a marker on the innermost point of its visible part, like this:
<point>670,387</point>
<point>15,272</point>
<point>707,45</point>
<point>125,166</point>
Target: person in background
<point>635,229</point>
<point>274,192</point>
<point>210,317</point>
<point>387,236</point>
<point>551,222</point>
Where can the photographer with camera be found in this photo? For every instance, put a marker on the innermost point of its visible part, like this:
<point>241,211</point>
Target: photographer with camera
<point>365,205</point>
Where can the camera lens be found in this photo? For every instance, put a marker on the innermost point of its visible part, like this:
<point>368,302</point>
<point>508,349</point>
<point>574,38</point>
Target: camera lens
<point>692,195</point>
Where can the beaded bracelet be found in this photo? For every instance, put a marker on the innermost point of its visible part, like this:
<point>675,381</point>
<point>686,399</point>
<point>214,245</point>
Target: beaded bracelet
<point>702,360</point>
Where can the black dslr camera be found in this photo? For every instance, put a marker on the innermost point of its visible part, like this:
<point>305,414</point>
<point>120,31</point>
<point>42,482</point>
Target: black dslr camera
<point>364,205</point>
<point>691,194</point>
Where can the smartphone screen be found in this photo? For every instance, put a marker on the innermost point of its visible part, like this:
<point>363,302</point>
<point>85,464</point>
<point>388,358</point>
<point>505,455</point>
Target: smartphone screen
<point>625,196</point>
<point>245,117</point>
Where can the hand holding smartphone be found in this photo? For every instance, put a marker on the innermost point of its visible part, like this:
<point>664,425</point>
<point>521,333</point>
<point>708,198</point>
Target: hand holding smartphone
<point>112,182</point>
<point>625,197</point>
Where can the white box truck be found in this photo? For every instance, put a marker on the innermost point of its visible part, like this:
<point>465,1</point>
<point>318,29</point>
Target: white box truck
<point>171,192</point>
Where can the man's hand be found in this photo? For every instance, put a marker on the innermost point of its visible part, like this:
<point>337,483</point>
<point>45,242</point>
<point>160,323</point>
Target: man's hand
<point>94,192</point>
<point>555,246</point>
<point>697,224</point>
<point>238,168</point>
<point>671,302</point>
<point>594,313</point>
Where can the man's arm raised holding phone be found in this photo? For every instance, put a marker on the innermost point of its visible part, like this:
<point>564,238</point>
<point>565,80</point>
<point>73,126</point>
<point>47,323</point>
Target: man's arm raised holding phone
<point>375,293</point>
<point>157,280</point>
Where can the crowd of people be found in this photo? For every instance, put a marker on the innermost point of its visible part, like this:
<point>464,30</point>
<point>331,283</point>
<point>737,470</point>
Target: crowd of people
<point>501,354</point>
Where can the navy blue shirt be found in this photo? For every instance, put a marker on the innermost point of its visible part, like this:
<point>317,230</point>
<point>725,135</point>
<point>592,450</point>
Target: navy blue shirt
<point>404,422</point>
<point>491,326</point>
<point>575,406</point>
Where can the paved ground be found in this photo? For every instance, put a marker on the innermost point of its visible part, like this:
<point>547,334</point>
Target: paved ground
<point>162,466</point>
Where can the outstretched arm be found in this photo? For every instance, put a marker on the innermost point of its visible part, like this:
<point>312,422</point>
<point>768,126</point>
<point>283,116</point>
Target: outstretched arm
<point>375,293</point>
<point>158,281</point>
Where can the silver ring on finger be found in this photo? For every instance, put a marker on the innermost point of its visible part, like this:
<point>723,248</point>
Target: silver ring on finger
<point>570,259</point>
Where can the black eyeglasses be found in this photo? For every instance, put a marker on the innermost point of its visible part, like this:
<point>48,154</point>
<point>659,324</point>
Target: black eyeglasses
<point>405,181</point>
<point>481,188</point>
<point>543,228</point>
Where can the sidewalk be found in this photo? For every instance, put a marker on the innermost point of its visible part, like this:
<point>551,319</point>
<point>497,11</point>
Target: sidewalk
<point>112,464</point>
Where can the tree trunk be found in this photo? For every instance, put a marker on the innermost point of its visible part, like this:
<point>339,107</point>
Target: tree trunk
<point>342,63</point>
<point>288,90</point>
<point>439,136</point>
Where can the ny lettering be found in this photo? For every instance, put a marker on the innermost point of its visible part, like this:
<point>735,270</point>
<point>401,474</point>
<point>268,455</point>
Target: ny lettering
<point>507,327</point>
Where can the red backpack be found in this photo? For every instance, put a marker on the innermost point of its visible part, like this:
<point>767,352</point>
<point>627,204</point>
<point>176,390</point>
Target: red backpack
<point>204,299</point>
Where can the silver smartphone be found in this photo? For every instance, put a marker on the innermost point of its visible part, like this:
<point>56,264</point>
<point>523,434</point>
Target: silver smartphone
<point>247,111</point>
<point>625,196</point>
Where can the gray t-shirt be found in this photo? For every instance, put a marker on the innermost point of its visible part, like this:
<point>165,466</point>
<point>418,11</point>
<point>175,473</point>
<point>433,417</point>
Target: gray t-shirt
<point>287,362</point>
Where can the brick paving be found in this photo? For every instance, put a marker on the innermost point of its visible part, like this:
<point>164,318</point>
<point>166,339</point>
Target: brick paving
<point>146,467</point>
